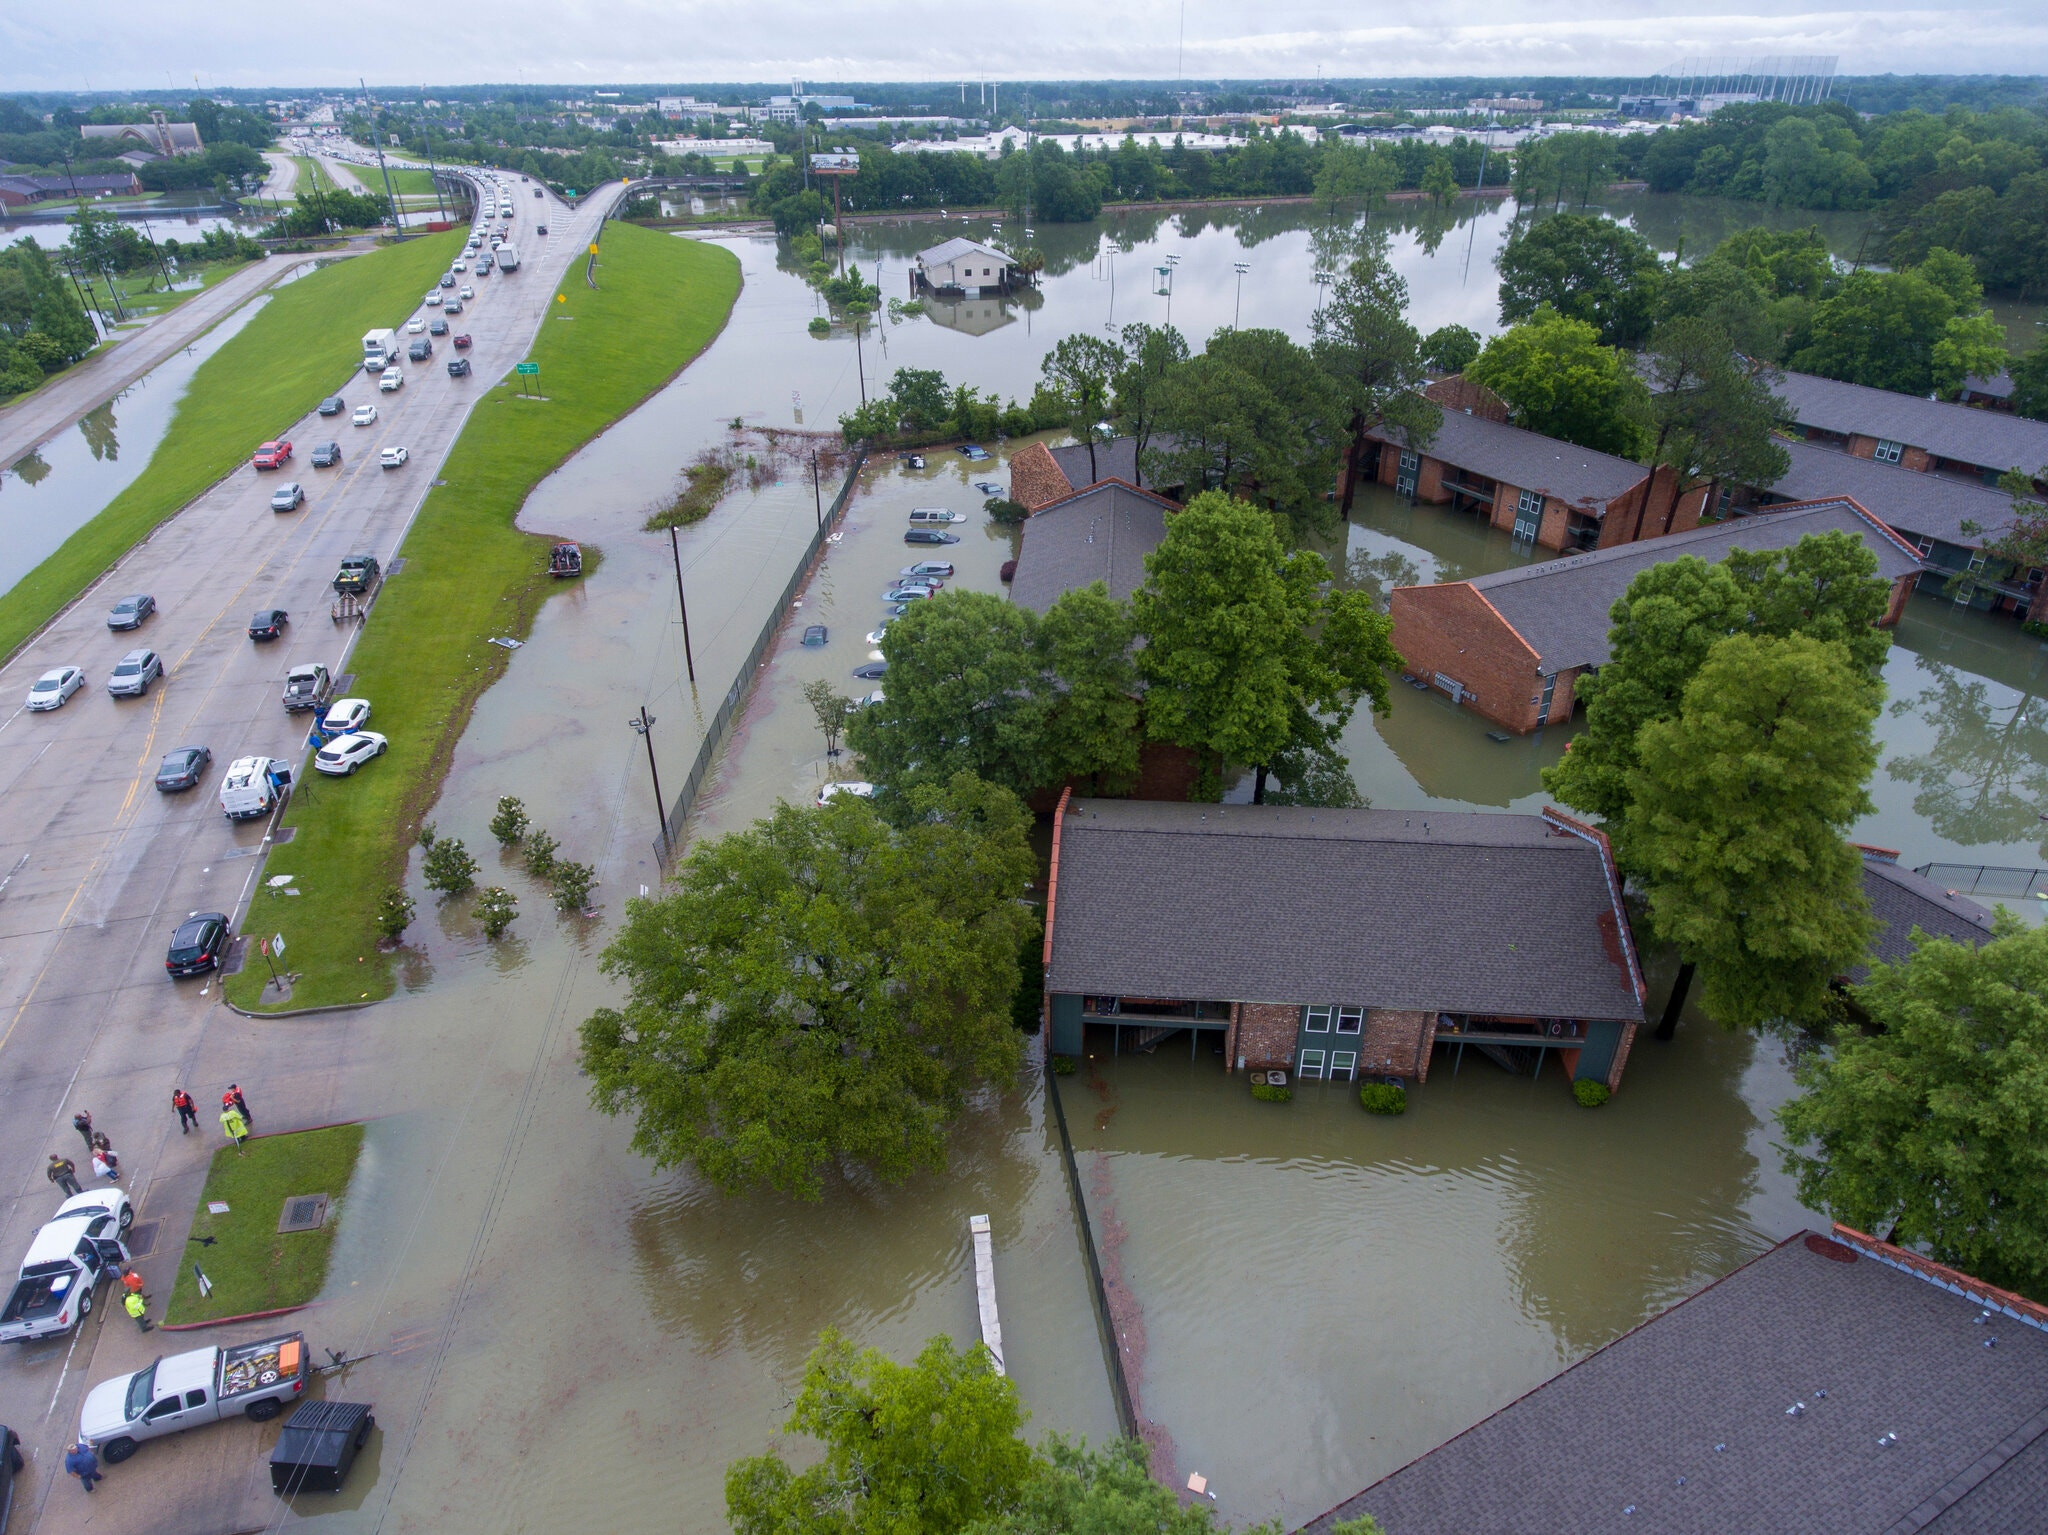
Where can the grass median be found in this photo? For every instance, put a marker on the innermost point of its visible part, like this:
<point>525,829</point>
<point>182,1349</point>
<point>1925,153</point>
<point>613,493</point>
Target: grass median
<point>303,345</point>
<point>425,656</point>
<point>250,1264</point>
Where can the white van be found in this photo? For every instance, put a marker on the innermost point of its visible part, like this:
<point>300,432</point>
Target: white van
<point>935,516</point>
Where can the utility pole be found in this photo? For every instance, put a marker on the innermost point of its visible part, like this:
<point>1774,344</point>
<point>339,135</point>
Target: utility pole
<point>644,728</point>
<point>377,133</point>
<point>433,170</point>
<point>675,549</point>
<point>1237,307</point>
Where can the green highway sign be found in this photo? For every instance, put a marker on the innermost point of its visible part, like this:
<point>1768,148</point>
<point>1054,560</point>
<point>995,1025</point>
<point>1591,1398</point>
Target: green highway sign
<point>526,367</point>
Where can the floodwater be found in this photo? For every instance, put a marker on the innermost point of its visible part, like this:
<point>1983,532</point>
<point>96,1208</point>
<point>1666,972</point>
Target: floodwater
<point>161,220</point>
<point>48,494</point>
<point>1322,1294</point>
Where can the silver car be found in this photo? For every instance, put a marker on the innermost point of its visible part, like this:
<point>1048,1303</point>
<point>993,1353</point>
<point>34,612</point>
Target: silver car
<point>53,687</point>
<point>133,674</point>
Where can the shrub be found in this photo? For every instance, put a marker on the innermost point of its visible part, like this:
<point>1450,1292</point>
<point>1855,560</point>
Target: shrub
<point>495,909</point>
<point>394,912</point>
<point>510,823</point>
<point>1004,511</point>
<point>540,854</point>
<point>819,326</point>
<point>1265,1092</point>
<point>450,869</point>
<point>1590,1094</point>
<point>1384,1098</point>
<point>427,835</point>
<point>1063,1065</point>
<point>573,884</point>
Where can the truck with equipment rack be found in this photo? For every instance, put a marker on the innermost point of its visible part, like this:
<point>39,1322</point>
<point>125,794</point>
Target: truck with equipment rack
<point>181,1391</point>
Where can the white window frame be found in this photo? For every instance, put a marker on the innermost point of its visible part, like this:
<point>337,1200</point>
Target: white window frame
<point>1318,1020</point>
<point>1345,1061</point>
<point>1529,513</point>
<point>1351,1020</point>
<point>1889,452</point>
<point>1310,1066</point>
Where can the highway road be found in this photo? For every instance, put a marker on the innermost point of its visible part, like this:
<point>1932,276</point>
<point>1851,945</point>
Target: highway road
<point>97,867</point>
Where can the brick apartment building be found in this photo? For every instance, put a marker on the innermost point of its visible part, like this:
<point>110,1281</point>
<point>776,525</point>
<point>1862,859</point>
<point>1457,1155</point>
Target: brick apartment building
<point>1338,943</point>
<point>1553,494</point>
<point>1512,645</point>
<point>1928,436</point>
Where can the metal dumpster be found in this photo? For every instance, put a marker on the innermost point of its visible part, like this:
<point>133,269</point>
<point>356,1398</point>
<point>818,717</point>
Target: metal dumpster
<point>318,1445</point>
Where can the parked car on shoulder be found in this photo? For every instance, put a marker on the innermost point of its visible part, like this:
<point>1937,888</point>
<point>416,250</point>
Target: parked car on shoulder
<point>129,612</point>
<point>326,455</point>
<point>198,944</point>
<point>343,755</point>
<point>305,685</point>
<point>288,497</point>
<point>133,674</point>
<point>180,769</point>
<point>346,714</point>
<point>272,455</point>
<point>51,689</point>
<point>268,623</point>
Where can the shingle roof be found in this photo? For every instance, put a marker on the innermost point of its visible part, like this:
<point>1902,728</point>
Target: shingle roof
<point>1902,900</point>
<point>1459,912</point>
<point>1099,534</point>
<point>1116,459</point>
<point>1682,1426</point>
<point>955,248</point>
<point>1560,606</point>
<point>1932,505</point>
<point>1987,437</point>
<point>1530,461</point>
<point>1036,478</point>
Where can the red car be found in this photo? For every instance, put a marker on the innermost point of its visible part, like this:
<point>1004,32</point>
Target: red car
<point>272,455</point>
<point>462,343</point>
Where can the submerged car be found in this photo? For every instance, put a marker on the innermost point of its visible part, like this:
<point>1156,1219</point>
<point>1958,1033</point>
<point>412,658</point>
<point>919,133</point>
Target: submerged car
<point>815,635</point>
<point>930,536</point>
<point>182,769</point>
<point>853,786</point>
<point>939,568</point>
<point>872,671</point>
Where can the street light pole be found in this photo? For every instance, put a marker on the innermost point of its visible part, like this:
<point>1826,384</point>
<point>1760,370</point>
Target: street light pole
<point>676,550</point>
<point>643,726</point>
<point>1237,307</point>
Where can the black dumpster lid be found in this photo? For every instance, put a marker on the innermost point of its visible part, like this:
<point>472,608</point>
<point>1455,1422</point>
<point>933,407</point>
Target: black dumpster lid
<point>298,1442</point>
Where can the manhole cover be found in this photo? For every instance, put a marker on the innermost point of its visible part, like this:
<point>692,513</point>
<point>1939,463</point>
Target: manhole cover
<point>303,1212</point>
<point>140,1238</point>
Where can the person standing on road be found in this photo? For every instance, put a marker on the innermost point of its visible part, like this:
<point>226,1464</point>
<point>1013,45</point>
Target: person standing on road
<point>188,1111</point>
<point>82,1123</point>
<point>63,1172</point>
<point>137,1307</point>
<point>234,1095</point>
<point>237,1127</point>
<point>83,1464</point>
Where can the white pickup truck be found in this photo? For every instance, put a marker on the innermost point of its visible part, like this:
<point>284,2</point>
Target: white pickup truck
<point>75,1250</point>
<point>258,1380</point>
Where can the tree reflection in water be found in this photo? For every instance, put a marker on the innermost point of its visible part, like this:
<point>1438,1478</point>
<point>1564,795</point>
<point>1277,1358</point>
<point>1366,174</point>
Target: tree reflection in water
<point>1985,779</point>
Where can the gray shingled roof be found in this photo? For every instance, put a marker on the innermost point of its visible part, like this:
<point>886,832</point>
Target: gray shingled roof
<point>1530,461</point>
<point>1961,432</point>
<point>1452,911</point>
<point>1684,1421</point>
<point>1116,459</point>
<point>1101,534</point>
<point>1902,900</point>
<point>1931,505</point>
<point>958,246</point>
<point>1560,606</point>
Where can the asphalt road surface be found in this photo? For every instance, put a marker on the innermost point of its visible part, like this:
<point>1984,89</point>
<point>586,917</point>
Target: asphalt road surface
<point>97,868</point>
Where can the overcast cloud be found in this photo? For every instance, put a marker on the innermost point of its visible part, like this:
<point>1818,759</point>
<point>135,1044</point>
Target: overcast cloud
<point>129,44</point>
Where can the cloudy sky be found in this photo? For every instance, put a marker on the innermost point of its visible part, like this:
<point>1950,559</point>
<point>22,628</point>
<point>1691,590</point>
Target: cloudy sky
<point>111,44</point>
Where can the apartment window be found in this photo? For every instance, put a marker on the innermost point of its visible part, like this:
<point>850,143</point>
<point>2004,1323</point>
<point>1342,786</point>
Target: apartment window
<point>1890,452</point>
<point>1343,1063</point>
<point>1311,1064</point>
<point>1318,1020</point>
<point>1528,514</point>
<point>1350,1020</point>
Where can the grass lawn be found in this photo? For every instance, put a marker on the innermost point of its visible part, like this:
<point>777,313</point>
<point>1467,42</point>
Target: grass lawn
<point>311,177</point>
<point>425,656</point>
<point>251,1266</point>
<point>304,344</point>
<point>405,180</point>
<point>139,300</point>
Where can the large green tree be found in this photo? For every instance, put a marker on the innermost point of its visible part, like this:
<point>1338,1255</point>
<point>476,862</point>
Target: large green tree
<point>1931,1128</point>
<point>1140,399</point>
<point>1365,345</point>
<point>1713,419</point>
<point>1738,810</point>
<point>1249,650</point>
<point>1558,379</point>
<point>1906,331</point>
<point>821,990</point>
<point>1082,370</point>
<point>1094,722</point>
<point>1586,267</point>
<point>928,1448</point>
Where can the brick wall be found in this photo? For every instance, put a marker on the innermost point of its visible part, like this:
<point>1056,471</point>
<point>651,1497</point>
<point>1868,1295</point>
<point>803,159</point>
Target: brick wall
<point>1917,459</point>
<point>1504,498</point>
<point>1453,630</point>
<point>1554,531</point>
<point>1614,1069</point>
<point>1397,1042</point>
<point>1429,480</point>
<point>1264,1034</point>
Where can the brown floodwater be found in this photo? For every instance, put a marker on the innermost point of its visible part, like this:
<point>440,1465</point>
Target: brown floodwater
<point>566,1334</point>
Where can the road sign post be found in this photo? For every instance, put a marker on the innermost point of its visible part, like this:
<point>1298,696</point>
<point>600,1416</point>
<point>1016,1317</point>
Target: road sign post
<point>526,370</point>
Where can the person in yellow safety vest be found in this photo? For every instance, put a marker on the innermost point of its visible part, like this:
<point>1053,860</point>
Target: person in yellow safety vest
<point>135,1305</point>
<point>237,1127</point>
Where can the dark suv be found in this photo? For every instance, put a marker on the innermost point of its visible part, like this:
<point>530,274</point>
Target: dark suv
<point>420,350</point>
<point>198,944</point>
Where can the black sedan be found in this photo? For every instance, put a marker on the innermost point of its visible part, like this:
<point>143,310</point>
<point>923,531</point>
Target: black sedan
<point>437,328</point>
<point>333,405</point>
<point>268,624</point>
<point>182,769</point>
<point>198,944</point>
<point>930,536</point>
<point>11,1463</point>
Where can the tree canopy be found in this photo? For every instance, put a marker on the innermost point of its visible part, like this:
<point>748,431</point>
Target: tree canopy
<point>1712,417</point>
<point>821,990</point>
<point>1558,379</point>
<point>1365,345</point>
<point>1931,1127</point>
<point>1585,267</point>
<point>1082,370</point>
<point>1912,331</point>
